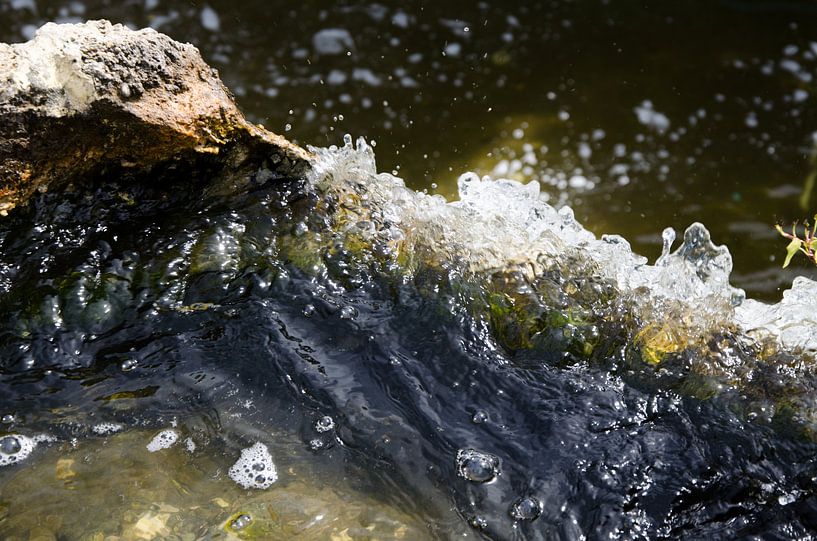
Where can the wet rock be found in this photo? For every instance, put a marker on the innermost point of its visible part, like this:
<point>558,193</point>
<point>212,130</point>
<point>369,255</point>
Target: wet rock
<point>95,100</point>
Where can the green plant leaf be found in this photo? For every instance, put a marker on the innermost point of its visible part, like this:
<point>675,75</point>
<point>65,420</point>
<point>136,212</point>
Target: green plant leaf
<point>793,247</point>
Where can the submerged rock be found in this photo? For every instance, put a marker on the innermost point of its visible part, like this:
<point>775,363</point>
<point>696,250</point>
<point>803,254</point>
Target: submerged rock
<point>84,101</point>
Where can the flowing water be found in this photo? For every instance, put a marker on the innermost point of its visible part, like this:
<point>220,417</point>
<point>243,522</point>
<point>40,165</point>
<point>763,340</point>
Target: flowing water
<point>346,357</point>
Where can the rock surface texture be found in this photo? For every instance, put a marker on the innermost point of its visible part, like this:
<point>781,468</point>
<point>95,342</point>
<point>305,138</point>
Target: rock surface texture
<point>96,100</point>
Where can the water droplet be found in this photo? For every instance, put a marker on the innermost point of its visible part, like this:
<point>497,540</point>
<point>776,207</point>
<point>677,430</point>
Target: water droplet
<point>479,417</point>
<point>241,522</point>
<point>348,312</point>
<point>477,466</point>
<point>10,445</point>
<point>309,310</point>
<point>527,508</point>
<point>324,424</point>
<point>128,364</point>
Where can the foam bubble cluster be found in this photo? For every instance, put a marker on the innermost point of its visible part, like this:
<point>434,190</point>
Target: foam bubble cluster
<point>254,468</point>
<point>105,429</point>
<point>15,448</point>
<point>163,440</point>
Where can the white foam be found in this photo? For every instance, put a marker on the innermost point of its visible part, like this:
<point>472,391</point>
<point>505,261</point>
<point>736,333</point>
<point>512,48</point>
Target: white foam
<point>104,429</point>
<point>254,468</point>
<point>163,440</point>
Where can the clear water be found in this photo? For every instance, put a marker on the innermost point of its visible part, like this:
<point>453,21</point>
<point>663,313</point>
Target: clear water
<point>485,376</point>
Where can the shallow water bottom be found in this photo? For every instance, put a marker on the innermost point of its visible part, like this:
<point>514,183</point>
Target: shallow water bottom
<point>114,488</point>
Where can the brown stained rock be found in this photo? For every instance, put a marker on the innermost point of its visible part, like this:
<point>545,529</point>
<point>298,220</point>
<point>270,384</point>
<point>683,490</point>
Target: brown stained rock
<point>81,101</point>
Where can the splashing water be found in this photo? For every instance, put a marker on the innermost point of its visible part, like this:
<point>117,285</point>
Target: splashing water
<point>532,262</point>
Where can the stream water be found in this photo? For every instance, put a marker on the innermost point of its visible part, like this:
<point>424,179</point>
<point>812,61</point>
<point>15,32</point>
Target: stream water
<point>403,367</point>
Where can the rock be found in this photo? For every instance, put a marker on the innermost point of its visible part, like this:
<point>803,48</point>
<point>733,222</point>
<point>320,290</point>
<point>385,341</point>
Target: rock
<point>81,102</point>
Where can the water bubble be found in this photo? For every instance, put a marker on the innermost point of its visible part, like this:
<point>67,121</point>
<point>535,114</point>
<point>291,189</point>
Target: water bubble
<point>15,448</point>
<point>128,364</point>
<point>10,445</point>
<point>324,424</point>
<point>348,312</point>
<point>316,444</point>
<point>477,466</point>
<point>8,418</point>
<point>479,522</point>
<point>309,310</point>
<point>287,126</point>
<point>241,522</point>
<point>527,508</point>
<point>479,417</point>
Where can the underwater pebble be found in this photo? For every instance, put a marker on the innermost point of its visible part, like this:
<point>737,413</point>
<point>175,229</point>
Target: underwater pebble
<point>254,468</point>
<point>477,466</point>
<point>163,440</point>
<point>527,508</point>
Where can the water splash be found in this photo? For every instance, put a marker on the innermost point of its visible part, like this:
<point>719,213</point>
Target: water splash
<point>537,270</point>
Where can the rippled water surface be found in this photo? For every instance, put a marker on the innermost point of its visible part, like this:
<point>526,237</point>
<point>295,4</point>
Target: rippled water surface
<point>390,404</point>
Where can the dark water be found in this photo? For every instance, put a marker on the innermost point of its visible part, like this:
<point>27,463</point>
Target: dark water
<point>206,312</point>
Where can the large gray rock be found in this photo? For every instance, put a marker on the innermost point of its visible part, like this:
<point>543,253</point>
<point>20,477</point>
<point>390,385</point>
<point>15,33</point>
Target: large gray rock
<point>82,101</point>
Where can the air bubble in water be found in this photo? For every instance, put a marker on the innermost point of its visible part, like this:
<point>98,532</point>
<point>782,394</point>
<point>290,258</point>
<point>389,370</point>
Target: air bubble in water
<point>527,508</point>
<point>324,424</point>
<point>479,417</point>
<point>8,419</point>
<point>478,522</point>
<point>477,466</point>
<point>241,522</point>
<point>309,310</point>
<point>287,126</point>
<point>348,312</point>
<point>128,364</point>
<point>16,448</point>
<point>10,445</point>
